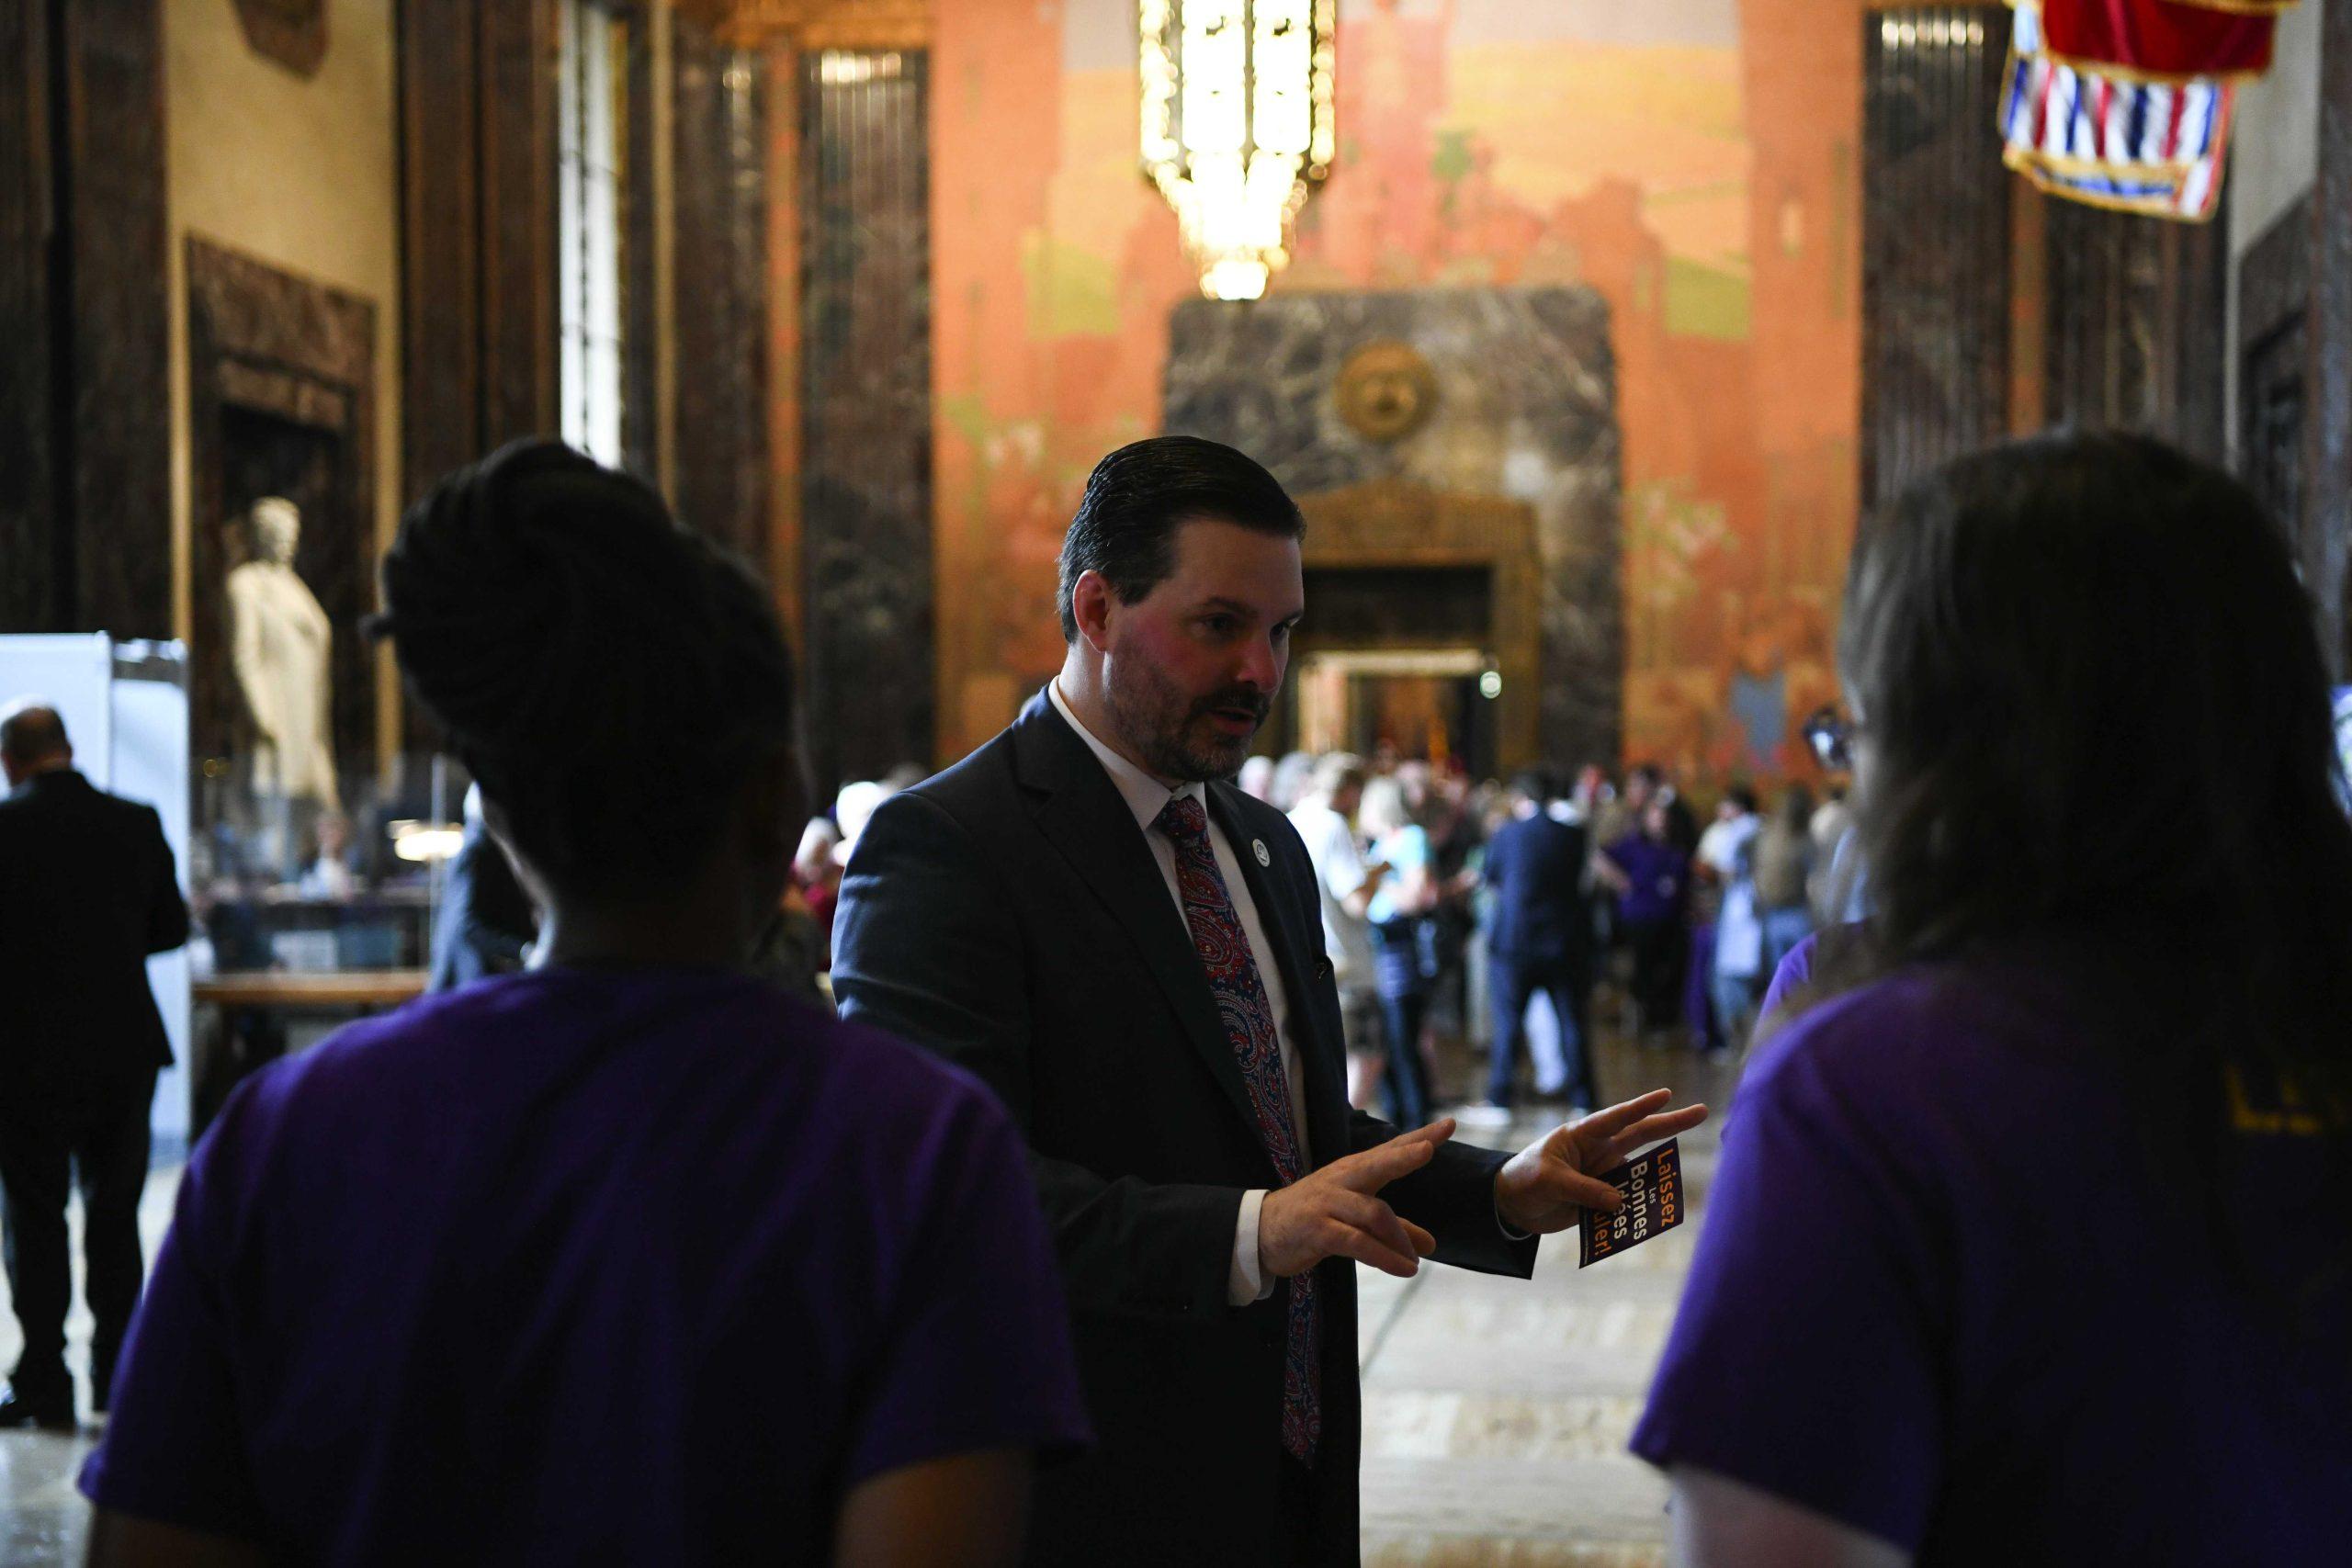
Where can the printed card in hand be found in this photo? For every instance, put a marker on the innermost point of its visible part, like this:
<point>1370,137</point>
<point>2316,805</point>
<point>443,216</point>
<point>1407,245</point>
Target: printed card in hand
<point>1654,1203</point>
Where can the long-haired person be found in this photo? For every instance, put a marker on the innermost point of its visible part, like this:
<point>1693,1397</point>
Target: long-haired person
<point>627,1258</point>
<point>2033,1237</point>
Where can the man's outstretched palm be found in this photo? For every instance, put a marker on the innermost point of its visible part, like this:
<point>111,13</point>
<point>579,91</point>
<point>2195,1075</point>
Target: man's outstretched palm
<point>1550,1182</point>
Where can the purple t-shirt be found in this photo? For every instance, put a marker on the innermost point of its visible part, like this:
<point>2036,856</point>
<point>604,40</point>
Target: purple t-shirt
<point>1659,874</point>
<point>586,1266</point>
<point>1796,969</point>
<point>1943,1294</point>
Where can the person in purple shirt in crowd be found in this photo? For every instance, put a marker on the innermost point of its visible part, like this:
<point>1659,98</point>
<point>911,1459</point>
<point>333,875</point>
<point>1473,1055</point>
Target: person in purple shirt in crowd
<point>1651,874</point>
<point>628,1258</point>
<point>2032,1240</point>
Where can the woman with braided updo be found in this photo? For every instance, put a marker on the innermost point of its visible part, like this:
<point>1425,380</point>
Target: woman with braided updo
<point>628,1258</point>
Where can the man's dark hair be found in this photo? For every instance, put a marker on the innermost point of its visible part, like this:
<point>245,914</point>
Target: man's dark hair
<point>1135,498</point>
<point>1743,796</point>
<point>1535,784</point>
<point>605,675</point>
<point>31,732</point>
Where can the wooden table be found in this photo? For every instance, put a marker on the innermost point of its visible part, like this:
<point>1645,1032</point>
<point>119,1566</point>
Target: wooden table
<point>328,992</point>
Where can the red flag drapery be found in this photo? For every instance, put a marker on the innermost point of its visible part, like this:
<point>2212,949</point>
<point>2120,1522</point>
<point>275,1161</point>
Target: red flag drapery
<point>2131,144</point>
<point>2157,41</point>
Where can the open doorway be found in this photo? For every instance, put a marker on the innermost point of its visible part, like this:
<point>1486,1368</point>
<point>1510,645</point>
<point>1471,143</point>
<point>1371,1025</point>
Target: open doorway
<point>1435,703</point>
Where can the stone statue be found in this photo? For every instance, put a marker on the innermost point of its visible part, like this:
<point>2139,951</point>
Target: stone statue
<point>280,641</point>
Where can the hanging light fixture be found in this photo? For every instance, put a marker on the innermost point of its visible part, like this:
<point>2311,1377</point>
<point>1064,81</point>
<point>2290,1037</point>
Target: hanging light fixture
<point>1238,126</point>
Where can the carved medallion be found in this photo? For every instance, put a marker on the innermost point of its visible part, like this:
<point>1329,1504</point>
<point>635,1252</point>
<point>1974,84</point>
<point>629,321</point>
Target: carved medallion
<point>1386,390</point>
<point>292,32</point>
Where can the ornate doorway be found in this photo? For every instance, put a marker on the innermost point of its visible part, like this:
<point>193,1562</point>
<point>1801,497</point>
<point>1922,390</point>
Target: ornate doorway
<point>1423,614</point>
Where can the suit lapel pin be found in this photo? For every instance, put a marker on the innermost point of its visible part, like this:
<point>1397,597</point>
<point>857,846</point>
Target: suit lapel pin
<point>1264,857</point>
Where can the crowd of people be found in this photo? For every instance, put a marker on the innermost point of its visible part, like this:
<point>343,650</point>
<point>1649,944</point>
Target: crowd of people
<point>1492,914</point>
<point>2030,1242</point>
<point>1441,949</point>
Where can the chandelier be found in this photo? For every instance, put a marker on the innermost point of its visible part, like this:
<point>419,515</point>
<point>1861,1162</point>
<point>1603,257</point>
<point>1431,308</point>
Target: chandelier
<point>1238,126</point>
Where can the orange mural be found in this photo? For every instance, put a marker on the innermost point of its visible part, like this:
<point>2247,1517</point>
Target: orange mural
<point>1694,161</point>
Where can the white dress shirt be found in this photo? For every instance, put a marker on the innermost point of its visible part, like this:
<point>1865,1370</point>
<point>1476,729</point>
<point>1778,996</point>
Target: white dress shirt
<point>1147,797</point>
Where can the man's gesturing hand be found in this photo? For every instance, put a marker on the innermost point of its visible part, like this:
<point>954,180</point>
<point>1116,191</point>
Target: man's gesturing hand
<point>1332,1212</point>
<point>1549,1182</point>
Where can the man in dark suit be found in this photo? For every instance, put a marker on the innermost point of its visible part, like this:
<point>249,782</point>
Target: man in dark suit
<point>1129,950</point>
<point>1539,937</point>
<point>88,890</point>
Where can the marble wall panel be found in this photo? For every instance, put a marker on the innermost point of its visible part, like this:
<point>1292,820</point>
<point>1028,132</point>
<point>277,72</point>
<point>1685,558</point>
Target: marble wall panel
<point>1936,243</point>
<point>720,484</point>
<point>1525,409</point>
<point>30,541</point>
<point>866,480</point>
<point>518,247</point>
<point>121,399</point>
<point>2274,361</point>
<point>440,251</point>
<point>2135,320</point>
<point>643,313</point>
<point>479,357</point>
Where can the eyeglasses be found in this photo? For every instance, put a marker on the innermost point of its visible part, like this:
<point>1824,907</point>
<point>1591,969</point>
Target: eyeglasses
<point>1832,734</point>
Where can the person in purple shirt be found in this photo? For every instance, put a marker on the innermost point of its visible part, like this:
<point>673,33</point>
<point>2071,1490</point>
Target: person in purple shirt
<point>1651,874</point>
<point>2031,1241</point>
<point>1791,977</point>
<point>629,1257</point>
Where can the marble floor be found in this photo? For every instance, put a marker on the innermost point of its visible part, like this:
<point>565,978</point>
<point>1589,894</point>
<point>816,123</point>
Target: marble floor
<point>1495,1411</point>
<point>43,1520</point>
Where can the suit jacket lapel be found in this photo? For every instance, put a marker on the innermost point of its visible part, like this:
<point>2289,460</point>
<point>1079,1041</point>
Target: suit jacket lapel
<point>1278,916</point>
<point>1085,818</point>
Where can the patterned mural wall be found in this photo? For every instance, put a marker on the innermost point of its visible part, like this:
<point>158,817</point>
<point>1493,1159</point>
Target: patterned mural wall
<point>1693,161</point>
<point>1936,249</point>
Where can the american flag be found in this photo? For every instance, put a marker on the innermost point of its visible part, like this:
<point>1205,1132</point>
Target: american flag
<point>2111,140</point>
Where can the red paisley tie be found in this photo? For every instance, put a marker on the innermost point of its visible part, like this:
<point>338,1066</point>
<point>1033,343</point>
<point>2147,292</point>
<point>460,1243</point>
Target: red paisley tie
<point>1248,1018</point>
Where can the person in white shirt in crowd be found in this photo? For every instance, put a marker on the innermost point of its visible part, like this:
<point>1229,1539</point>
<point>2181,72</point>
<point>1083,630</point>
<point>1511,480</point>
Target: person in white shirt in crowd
<point>1255,779</point>
<point>852,809</point>
<point>1325,821</point>
<point>1734,829</point>
<point>1726,938</point>
<point>1293,777</point>
<point>1738,967</point>
<point>330,877</point>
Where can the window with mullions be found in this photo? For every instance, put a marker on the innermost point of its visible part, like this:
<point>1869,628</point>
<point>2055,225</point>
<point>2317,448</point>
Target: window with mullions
<point>591,144</point>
